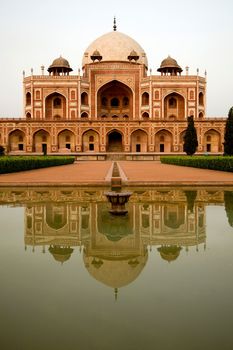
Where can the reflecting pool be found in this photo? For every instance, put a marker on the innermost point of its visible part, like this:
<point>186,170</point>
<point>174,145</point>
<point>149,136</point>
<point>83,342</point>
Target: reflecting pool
<point>73,276</point>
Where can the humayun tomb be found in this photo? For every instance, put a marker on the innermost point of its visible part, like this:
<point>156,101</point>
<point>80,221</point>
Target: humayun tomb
<point>115,105</point>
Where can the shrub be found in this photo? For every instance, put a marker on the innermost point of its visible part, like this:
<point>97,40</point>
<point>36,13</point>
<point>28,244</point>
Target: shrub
<point>11,164</point>
<point>204,162</point>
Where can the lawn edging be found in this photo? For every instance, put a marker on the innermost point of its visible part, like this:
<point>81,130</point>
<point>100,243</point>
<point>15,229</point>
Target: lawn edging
<point>12,164</point>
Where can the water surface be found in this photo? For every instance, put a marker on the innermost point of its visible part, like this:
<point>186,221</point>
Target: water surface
<point>75,277</point>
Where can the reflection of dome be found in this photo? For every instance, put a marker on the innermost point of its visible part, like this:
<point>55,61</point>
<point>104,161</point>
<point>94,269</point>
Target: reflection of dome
<point>169,253</point>
<point>60,254</point>
<point>114,46</point>
<point>115,272</point>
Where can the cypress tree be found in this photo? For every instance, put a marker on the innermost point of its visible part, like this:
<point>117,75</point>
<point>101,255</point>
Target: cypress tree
<point>190,138</point>
<point>228,136</point>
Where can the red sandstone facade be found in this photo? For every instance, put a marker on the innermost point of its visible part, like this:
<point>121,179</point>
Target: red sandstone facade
<point>113,106</point>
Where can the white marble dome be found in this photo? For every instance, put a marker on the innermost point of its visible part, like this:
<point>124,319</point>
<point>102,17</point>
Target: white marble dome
<point>114,46</point>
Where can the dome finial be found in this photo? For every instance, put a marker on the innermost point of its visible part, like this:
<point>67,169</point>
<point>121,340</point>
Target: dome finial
<point>114,24</point>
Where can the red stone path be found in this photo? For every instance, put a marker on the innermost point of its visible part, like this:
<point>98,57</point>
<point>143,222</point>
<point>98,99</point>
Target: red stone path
<point>138,173</point>
<point>82,173</point>
<point>149,172</point>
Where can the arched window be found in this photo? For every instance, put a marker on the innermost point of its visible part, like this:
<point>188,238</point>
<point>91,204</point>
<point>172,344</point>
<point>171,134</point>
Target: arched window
<point>91,138</point>
<point>84,115</point>
<point>145,115</point>
<point>125,116</point>
<point>28,99</point>
<point>72,95</point>
<point>201,99</point>
<point>208,138</point>
<point>145,99</point>
<point>115,102</point>
<point>37,94</point>
<point>172,102</point>
<point>84,99</point>
<point>104,101</point>
<point>125,101</point>
<point>200,115</point>
<point>28,115</point>
<point>57,103</point>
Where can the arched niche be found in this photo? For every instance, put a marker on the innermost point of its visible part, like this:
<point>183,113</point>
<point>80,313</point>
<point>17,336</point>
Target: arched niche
<point>201,99</point>
<point>42,141</point>
<point>114,141</point>
<point>66,141</point>
<point>55,104</point>
<point>84,99</point>
<point>28,99</point>
<point>17,141</point>
<point>90,141</point>
<point>163,141</point>
<point>174,105</point>
<point>139,141</point>
<point>115,98</point>
<point>212,141</point>
<point>145,99</point>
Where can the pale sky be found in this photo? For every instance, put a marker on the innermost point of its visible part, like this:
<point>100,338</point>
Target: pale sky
<point>198,34</point>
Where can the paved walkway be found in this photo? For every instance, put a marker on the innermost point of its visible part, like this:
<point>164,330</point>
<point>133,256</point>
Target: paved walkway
<point>137,173</point>
<point>150,172</point>
<point>82,173</point>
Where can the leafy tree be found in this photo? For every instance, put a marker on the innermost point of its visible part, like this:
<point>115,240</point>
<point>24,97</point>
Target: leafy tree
<point>228,136</point>
<point>2,150</point>
<point>190,138</point>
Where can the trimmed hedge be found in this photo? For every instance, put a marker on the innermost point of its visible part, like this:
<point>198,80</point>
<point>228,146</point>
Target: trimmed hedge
<point>205,162</point>
<point>12,164</point>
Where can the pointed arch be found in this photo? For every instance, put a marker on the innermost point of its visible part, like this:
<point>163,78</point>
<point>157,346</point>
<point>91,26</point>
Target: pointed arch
<point>17,141</point>
<point>55,105</point>
<point>41,141</point>
<point>145,99</point>
<point>115,141</point>
<point>90,141</point>
<point>212,141</point>
<point>174,106</point>
<point>115,98</point>
<point>66,141</point>
<point>163,141</point>
<point>139,141</point>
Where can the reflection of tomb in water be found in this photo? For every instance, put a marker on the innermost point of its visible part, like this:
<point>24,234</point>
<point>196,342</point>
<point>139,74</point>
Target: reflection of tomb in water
<point>115,249</point>
<point>169,253</point>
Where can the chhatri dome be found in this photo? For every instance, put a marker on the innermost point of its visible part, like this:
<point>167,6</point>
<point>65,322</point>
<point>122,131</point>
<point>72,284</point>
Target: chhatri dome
<point>115,46</point>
